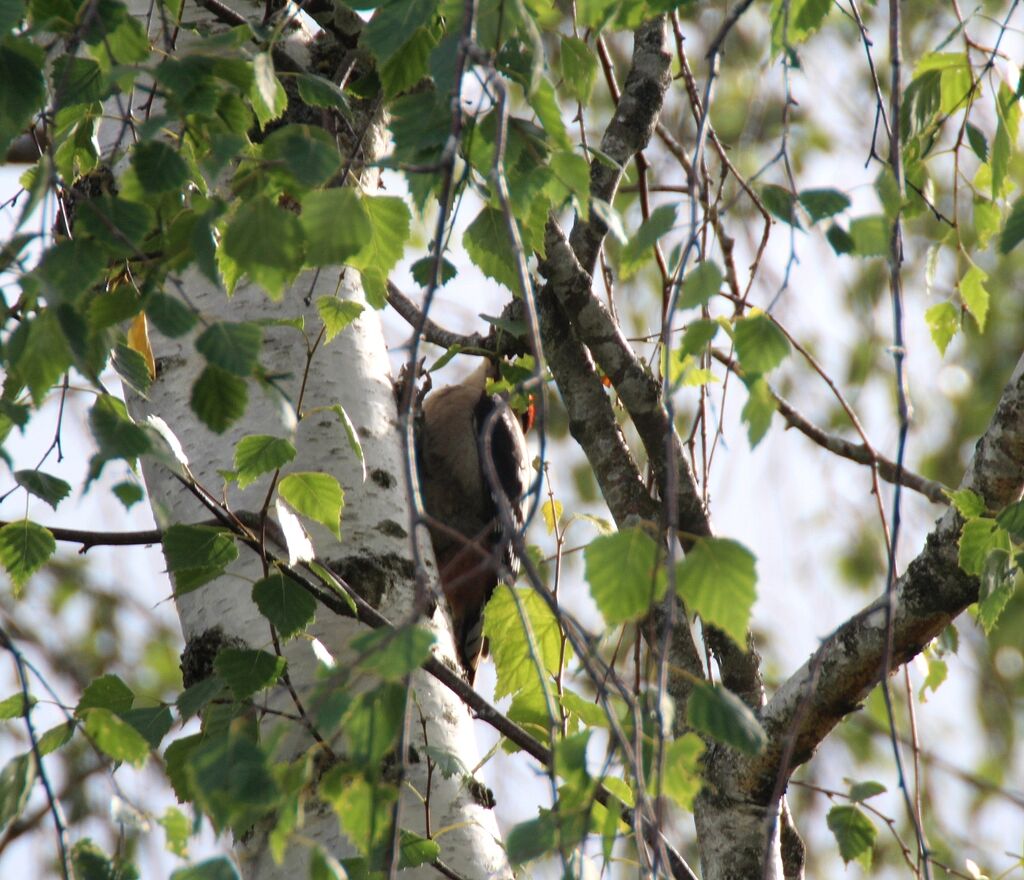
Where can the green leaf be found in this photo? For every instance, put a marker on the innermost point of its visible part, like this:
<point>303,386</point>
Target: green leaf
<point>625,574</point>
<point>717,580</point>
<point>115,738</point>
<point>159,168</point>
<point>177,829</point>
<point>323,866</point>
<point>1013,231</point>
<point>423,271</point>
<point>260,454</point>
<point>1004,144</point>
<point>795,21</point>
<point>531,839</point>
<point>760,345</point>
<point>318,496</point>
<point>571,758</point>
<point>248,671</point>
<point>268,96</point>
<point>571,179</point>
<point>128,493</point>
<point>995,595</point>
<point>153,722</point>
<point>15,706</point>
<point>90,862</point>
<point>974,295</point>
<point>306,155</point>
<point>69,268</point>
<point>517,671</point>
<point>78,81</point>
<point>870,236</point>
<point>888,192</point>
<point>285,603</point>
<point>988,220</point>
<point>56,737</point>
<point>758,410</point>
<point>219,398</point>
<point>194,698</point>
<point>967,503</point>
<point>337,313</point>
<point>266,243</point>
<point>197,554</point>
<point>364,810</point>
<point>697,336</point>
<point>853,832</point>
<point>232,347</point>
<point>393,654</point>
<point>24,548</point>
<point>1011,518</point>
<point>683,768</point>
<point>389,221</point>
<point>119,225</point>
<point>351,435</point>
<point>336,224</point>
<point>410,66</point>
<point>980,536</point>
<point>702,283</point>
<point>976,138</point>
<point>106,692</point>
<point>579,68</point>
<point>612,221</point>
<point>220,868</point>
<point>862,791</point>
<point>781,203</point>
<point>371,723</point>
<point>16,780</point>
<point>318,91</point>
<point>943,321</point>
<point>638,250</point>
<point>487,243</point>
<point>416,850</point>
<point>11,14</point>
<point>132,368</point>
<point>840,240</point>
<point>39,354</point>
<point>822,203</point>
<point>545,105</point>
<point>50,489</point>
<point>170,316</point>
<point>231,781</point>
<point>116,435</point>
<point>721,714</point>
<point>21,63</point>
<point>393,22</point>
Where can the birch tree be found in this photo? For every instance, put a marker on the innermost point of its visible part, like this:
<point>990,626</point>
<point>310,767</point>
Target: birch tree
<point>231,197</point>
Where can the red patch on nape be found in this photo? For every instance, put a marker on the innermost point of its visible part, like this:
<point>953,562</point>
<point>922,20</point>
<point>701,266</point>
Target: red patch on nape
<point>528,416</point>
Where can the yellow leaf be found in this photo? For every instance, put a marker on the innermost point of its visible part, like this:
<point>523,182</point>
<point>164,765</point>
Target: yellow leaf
<point>138,340</point>
<point>552,514</point>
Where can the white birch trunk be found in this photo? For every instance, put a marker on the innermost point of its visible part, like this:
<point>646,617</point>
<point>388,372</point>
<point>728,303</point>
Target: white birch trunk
<point>352,370</point>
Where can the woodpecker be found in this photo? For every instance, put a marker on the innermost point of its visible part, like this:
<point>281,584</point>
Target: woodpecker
<point>471,547</point>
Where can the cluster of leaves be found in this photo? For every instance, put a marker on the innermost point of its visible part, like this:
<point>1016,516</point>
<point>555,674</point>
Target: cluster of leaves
<point>221,180</point>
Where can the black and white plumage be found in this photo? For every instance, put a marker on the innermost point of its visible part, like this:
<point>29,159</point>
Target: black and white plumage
<point>471,547</point>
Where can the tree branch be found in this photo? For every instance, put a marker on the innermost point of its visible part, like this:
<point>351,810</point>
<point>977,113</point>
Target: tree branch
<point>929,595</point>
<point>933,490</point>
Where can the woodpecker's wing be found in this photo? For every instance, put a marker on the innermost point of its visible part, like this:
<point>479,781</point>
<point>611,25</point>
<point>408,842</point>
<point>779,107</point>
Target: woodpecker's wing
<point>509,455</point>
<point>463,427</point>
